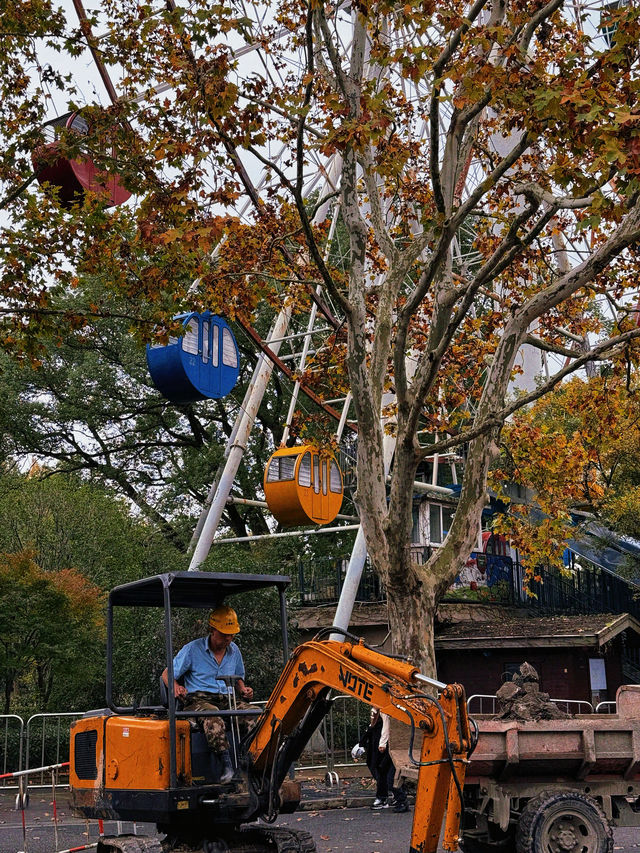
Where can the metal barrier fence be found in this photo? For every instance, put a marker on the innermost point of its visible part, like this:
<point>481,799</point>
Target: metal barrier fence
<point>12,732</point>
<point>330,746</point>
<point>485,703</point>
<point>44,741</point>
<point>482,703</point>
<point>47,740</point>
<point>574,706</point>
<point>343,727</point>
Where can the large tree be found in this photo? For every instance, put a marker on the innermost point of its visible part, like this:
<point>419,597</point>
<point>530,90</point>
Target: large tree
<point>67,522</point>
<point>488,168</point>
<point>64,544</point>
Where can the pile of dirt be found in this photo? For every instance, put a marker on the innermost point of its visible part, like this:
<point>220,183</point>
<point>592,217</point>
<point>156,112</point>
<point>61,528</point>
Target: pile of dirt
<point>521,699</point>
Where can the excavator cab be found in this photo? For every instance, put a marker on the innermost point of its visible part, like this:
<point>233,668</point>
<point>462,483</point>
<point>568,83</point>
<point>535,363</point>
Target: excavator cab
<point>151,762</point>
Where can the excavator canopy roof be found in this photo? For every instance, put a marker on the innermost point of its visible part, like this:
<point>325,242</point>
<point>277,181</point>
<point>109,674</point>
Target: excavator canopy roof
<point>191,589</point>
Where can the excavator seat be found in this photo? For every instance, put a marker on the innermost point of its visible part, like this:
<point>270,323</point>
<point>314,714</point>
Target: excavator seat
<point>206,766</point>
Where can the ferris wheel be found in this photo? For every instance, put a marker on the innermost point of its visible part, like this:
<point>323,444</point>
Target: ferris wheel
<point>300,343</point>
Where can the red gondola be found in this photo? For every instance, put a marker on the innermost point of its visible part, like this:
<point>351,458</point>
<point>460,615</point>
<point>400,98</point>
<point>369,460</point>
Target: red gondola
<point>74,177</point>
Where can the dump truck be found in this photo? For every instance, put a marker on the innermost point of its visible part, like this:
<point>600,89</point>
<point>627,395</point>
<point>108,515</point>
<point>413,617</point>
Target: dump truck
<point>554,786</point>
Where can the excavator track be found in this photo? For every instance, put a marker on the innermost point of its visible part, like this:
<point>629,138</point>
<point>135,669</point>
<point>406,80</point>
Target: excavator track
<point>283,840</point>
<point>251,839</point>
<point>130,844</point>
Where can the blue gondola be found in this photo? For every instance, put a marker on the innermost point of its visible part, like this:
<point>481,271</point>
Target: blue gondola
<point>203,363</point>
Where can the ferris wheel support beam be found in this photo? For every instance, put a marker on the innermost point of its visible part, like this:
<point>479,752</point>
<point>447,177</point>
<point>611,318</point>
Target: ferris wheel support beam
<point>220,491</point>
<point>357,560</point>
<point>85,26</point>
<point>230,442</point>
<point>314,531</point>
<point>238,445</point>
<point>307,340</point>
<point>264,505</point>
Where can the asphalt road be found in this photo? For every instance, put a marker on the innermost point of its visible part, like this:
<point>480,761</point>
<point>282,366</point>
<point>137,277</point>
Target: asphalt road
<point>334,830</point>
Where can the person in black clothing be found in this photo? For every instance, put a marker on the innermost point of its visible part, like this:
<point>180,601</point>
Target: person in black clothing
<point>375,745</point>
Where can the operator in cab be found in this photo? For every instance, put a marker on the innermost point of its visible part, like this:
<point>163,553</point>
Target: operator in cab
<point>202,665</point>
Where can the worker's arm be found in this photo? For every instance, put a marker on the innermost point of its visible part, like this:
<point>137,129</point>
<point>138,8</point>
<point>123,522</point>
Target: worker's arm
<point>244,691</point>
<point>179,690</point>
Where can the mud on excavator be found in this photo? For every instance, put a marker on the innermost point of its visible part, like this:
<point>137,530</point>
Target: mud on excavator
<point>151,763</point>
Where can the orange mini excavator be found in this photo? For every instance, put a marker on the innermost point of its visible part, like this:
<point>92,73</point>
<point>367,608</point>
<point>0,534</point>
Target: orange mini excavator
<point>151,764</point>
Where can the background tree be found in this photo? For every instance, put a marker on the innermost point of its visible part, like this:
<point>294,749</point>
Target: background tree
<point>75,540</point>
<point>88,405</point>
<point>503,119</point>
<point>66,543</point>
<point>575,450</point>
<point>68,523</point>
<point>51,633</point>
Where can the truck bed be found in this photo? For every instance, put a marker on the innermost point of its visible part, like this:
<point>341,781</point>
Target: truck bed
<point>580,747</point>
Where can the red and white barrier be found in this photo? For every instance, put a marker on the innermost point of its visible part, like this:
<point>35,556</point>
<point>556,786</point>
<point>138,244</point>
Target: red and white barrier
<point>16,774</point>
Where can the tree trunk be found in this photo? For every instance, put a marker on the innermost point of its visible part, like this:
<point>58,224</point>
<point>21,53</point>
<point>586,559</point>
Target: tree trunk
<point>45,682</point>
<point>9,684</point>
<point>411,609</point>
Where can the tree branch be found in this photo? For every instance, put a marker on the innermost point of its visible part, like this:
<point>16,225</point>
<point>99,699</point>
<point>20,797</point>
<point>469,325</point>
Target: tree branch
<point>497,419</point>
<point>434,110</point>
<point>559,202</point>
<point>538,343</point>
<point>536,19</point>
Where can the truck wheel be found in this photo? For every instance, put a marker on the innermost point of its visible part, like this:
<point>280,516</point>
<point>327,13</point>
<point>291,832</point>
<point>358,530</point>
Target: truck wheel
<point>564,822</point>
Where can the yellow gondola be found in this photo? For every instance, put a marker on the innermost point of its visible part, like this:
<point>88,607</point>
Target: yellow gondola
<point>303,485</point>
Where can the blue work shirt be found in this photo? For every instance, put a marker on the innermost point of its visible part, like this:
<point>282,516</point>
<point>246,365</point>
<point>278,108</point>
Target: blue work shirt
<point>201,671</point>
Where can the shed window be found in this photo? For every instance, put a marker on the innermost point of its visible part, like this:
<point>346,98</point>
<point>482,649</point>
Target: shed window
<point>324,477</point>
<point>316,474</point>
<point>190,339</point>
<point>281,468</point>
<point>335,483</point>
<point>304,471</point>
<point>440,519</point>
<point>435,523</point>
<point>229,351</point>
<point>447,519</point>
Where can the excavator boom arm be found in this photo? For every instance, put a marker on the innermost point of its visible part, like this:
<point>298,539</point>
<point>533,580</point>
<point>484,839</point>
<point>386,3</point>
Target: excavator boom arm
<point>299,702</point>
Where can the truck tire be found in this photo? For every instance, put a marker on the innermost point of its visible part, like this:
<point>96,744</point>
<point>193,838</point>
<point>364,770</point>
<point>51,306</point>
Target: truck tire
<point>564,822</point>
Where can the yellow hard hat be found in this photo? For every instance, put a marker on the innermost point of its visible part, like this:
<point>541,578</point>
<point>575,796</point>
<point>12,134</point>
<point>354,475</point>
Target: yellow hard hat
<point>224,619</point>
